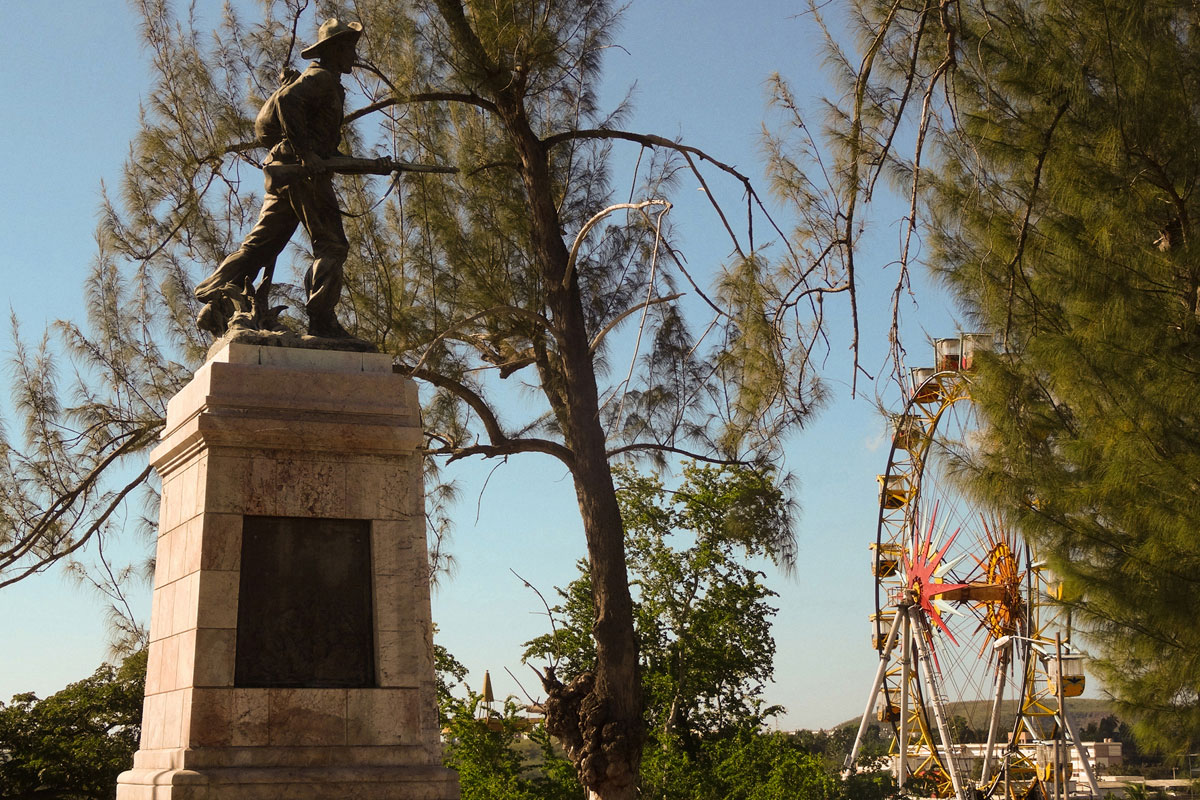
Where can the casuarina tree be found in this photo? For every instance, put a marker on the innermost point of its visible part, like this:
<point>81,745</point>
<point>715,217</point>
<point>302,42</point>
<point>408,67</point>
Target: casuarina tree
<point>524,265</point>
<point>1053,174</point>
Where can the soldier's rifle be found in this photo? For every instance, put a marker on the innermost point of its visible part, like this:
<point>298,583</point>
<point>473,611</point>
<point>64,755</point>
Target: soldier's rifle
<point>281,174</point>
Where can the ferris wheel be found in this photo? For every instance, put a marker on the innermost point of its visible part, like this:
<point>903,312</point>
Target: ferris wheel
<point>974,663</point>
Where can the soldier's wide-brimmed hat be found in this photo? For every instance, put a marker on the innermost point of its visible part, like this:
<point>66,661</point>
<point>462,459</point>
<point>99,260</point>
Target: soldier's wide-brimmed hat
<point>332,29</point>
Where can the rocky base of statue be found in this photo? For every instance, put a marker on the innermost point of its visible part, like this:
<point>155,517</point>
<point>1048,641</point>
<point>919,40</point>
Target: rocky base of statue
<point>231,307</point>
<point>240,315</point>
<point>286,338</point>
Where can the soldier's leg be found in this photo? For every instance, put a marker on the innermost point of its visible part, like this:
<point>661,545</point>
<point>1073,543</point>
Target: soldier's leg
<point>276,223</point>
<point>316,204</point>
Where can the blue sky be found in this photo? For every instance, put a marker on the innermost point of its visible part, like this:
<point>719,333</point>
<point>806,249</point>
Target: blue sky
<point>73,77</point>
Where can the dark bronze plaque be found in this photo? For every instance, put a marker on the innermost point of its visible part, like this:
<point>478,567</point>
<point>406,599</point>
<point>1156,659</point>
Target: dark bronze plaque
<point>304,608</point>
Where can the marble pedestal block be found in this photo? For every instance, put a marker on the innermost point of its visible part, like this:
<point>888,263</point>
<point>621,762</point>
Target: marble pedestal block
<point>291,649</point>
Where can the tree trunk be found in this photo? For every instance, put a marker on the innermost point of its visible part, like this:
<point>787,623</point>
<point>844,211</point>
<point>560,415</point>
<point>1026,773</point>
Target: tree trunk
<point>598,717</point>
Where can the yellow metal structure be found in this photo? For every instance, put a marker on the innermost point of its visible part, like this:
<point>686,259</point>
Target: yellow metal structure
<point>959,592</point>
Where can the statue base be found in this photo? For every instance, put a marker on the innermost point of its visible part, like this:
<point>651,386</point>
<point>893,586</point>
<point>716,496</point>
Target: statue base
<point>289,339</point>
<point>290,635</point>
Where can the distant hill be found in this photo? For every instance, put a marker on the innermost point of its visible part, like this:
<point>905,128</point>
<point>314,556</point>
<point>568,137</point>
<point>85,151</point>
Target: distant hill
<point>1082,711</point>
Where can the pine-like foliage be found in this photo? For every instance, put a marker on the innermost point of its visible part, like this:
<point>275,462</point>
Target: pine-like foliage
<point>1059,200</point>
<point>542,311</point>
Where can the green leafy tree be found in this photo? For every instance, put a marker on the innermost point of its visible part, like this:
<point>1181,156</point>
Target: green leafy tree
<point>772,765</point>
<point>486,751</point>
<point>450,674</point>
<point>498,753</point>
<point>756,764</point>
<point>73,744</point>
<point>703,621</point>
<point>521,263</point>
<point>834,745</point>
<point>1053,179</point>
<point>703,617</point>
<point>769,766</point>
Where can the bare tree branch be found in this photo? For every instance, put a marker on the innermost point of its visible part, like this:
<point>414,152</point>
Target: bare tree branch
<point>96,525</point>
<point>646,139</point>
<point>631,310</point>
<point>666,448</point>
<point>420,97</point>
<point>506,448</point>
<point>501,444</point>
<point>515,311</point>
<point>591,223</point>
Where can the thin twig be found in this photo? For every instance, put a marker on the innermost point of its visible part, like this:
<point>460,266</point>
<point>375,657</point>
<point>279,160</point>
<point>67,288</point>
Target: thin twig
<point>591,223</point>
<point>549,614</point>
<point>532,702</point>
<point>631,310</point>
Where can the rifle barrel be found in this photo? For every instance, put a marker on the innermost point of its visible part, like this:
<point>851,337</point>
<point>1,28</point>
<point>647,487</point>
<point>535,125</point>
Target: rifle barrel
<point>357,166</point>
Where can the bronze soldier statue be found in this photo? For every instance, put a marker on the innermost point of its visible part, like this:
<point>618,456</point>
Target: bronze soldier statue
<point>301,123</point>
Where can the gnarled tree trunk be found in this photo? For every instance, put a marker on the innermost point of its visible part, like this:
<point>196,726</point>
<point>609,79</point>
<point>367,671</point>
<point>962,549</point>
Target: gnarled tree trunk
<point>599,715</point>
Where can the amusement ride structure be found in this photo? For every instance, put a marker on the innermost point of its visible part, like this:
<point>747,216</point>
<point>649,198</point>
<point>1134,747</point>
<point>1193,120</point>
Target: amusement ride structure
<point>962,614</point>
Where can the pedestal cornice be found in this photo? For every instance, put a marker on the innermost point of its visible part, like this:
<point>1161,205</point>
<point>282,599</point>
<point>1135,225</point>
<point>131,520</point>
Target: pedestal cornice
<point>254,397</point>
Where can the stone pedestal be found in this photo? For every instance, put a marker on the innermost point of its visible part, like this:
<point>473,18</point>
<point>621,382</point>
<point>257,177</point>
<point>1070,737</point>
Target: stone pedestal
<point>291,649</point>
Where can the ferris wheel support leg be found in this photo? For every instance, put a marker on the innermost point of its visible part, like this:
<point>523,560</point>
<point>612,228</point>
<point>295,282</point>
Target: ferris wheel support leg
<point>905,677</point>
<point>884,655</point>
<point>994,719</point>
<point>939,711</point>
<point>1083,756</point>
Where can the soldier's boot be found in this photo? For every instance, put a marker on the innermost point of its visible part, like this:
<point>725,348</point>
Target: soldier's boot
<point>327,327</point>
<point>212,320</point>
